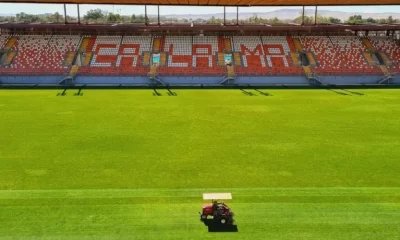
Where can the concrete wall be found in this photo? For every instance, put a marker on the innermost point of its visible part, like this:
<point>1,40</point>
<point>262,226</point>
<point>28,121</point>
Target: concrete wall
<point>343,80</point>
<point>396,80</point>
<point>30,79</point>
<point>112,80</point>
<point>191,80</point>
<point>272,80</point>
<point>242,80</point>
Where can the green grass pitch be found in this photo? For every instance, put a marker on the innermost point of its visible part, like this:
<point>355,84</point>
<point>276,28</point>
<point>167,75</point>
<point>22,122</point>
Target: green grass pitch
<point>124,164</point>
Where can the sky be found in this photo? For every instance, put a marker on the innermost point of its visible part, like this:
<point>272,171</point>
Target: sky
<point>13,8</point>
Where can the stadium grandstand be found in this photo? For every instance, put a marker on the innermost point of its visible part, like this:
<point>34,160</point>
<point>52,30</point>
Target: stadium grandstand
<point>193,54</point>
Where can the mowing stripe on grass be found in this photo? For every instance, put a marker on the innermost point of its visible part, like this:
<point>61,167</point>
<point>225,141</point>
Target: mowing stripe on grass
<point>260,213</point>
<point>239,194</point>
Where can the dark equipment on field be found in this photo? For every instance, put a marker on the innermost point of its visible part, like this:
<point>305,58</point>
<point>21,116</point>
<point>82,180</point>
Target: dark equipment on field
<point>219,211</point>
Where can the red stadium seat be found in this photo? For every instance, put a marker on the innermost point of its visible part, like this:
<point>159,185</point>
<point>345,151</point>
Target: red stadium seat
<point>389,47</point>
<point>269,55</point>
<point>41,54</point>
<point>194,56</point>
<point>339,55</point>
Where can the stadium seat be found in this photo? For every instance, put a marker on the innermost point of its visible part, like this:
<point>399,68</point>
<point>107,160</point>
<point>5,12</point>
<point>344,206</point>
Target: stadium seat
<point>41,54</point>
<point>197,55</point>
<point>338,55</point>
<point>117,55</point>
<point>3,40</point>
<point>268,55</point>
<point>389,47</point>
<point>191,56</point>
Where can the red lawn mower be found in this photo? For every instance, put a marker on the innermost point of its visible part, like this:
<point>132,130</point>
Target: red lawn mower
<point>219,211</point>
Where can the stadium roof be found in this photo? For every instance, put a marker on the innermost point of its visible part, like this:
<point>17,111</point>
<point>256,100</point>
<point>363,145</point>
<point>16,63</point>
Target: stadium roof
<point>141,27</point>
<point>220,2</point>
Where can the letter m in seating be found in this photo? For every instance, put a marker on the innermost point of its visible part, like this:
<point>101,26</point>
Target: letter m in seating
<point>253,57</point>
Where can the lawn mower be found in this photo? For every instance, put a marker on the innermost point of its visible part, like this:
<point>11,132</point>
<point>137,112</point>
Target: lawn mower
<point>219,211</point>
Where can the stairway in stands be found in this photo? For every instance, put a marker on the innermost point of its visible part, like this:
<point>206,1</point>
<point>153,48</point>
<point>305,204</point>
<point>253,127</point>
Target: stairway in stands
<point>147,61</point>
<point>367,44</point>
<point>231,72</point>
<point>237,59</point>
<point>7,54</point>
<point>73,71</point>
<point>311,59</point>
<point>371,50</point>
<point>297,44</point>
<point>156,44</point>
<point>86,48</point>
<point>383,64</point>
<point>221,59</point>
<point>69,58</point>
<point>225,47</point>
<point>80,58</point>
<point>385,59</point>
<point>7,57</point>
<point>153,72</point>
<point>297,60</point>
<point>368,57</point>
<point>10,43</point>
<point>157,48</point>
<point>308,71</point>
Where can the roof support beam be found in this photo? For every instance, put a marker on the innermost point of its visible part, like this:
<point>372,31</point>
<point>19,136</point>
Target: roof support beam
<point>302,19</point>
<point>316,15</point>
<point>237,15</point>
<point>79,14</point>
<point>145,15</point>
<point>65,14</point>
<point>158,15</point>
<point>224,15</point>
